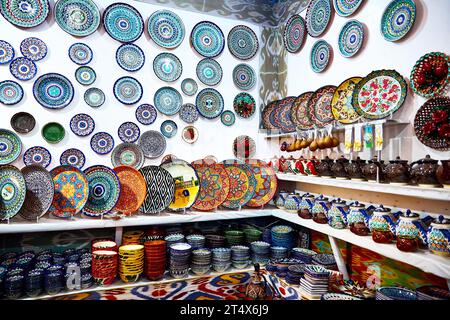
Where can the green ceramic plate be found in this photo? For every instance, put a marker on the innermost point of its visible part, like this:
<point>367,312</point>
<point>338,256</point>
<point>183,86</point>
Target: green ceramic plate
<point>12,191</point>
<point>53,132</point>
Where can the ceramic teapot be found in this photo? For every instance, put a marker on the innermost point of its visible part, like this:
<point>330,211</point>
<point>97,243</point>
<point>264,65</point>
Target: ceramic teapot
<point>397,172</point>
<point>424,172</point>
<point>324,167</point>
<point>292,203</point>
<point>290,165</point>
<point>382,225</point>
<point>300,165</point>
<point>410,232</point>
<point>358,219</point>
<point>372,168</point>
<point>320,210</point>
<point>337,215</point>
<point>438,236</point>
<point>354,169</point>
<point>444,173</point>
<point>305,208</point>
<point>311,166</point>
<point>339,168</point>
<point>256,288</point>
<point>281,198</point>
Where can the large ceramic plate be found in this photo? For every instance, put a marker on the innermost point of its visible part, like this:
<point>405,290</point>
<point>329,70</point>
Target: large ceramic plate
<point>242,184</point>
<point>379,94</point>
<point>166,29</point>
<point>345,8</point>
<point>168,100</point>
<point>266,183</point>
<point>128,90</point>
<point>244,76</point>
<point>130,57</point>
<point>351,38</point>
<point>128,154</point>
<point>77,17</point>
<point>270,107</point>
<point>153,144</point>
<point>160,189</point>
<point>167,67</point>
<point>299,112</point>
<point>12,191</point>
<point>207,39</point>
<point>294,33</point>
<point>242,42</point>
<point>319,106</point>
<point>123,22</point>
<point>134,189</point>
<point>209,103</point>
<point>53,91</point>
<point>10,146</point>
<point>398,18</point>
<point>209,72</point>
<point>25,13</point>
<point>321,54</point>
<point>10,92</point>
<point>318,17</point>
<point>341,103</point>
<point>282,115</point>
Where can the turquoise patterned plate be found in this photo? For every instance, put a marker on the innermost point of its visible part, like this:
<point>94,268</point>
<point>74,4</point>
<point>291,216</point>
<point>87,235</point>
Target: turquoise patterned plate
<point>12,191</point>
<point>53,91</point>
<point>130,57</point>
<point>318,17</point>
<point>242,42</point>
<point>94,97</point>
<point>85,75</point>
<point>351,38</point>
<point>167,100</point>
<point>79,18</point>
<point>228,118</point>
<point>207,39</point>
<point>345,8</point>
<point>10,92</point>
<point>169,128</point>
<point>23,68</point>
<point>294,33</point>
<point>209,72</point>
<point>209,103</point>
<point>123,22</point>
<point>398,18</point>
<point>166,29</point>
<point>7,52</point>
<point>167,67</point>
<point>244,77</point>
<point>80,53</point>
<point>189,86</point>
<point>25,13</point>
<point>320,55</point>
<point>10,146</point>
<point>128,90</point>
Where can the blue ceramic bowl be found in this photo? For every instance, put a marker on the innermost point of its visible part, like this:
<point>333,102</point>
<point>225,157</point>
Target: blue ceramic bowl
<point>396,293</point>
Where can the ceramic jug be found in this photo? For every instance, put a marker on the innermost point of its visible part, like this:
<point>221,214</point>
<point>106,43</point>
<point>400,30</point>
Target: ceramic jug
<point>354,169</point>
<point>382,225</point>
<point>438,237</point>
<point>358,219</point>
<point>410,232</point>
<point>292,203</point>
<point>424,172</point>
<point>397,172</point>
<point>324,167</point>
<point>306,205</point>
<point>372,169</point>
<point>337,215</point>
<point>339,168</point>
<point>311,167</point>
<point>281,198</point>
<point>320,210</point>
<point>444,173</point>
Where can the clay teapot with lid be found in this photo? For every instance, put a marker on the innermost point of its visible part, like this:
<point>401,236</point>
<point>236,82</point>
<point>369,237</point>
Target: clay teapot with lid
<point>300,166</point>
<point>410,232</point>
<point>292,203</point>
<point>443,173</point>
<point>424,172</point>
<point>339,168</point>
<point>358,219</point>
<point>256,288</point>
<point>354,169</point>
<point>438,236</point>
<point>382,225</point>
<point>397,172</point>
<point>320,210</point>
<point>337,215</point>
<point>372,168</point>
<point>305,207</point>
<point>324,167</point>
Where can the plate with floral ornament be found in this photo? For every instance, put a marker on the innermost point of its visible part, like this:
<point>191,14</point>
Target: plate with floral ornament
<point>242,184</point>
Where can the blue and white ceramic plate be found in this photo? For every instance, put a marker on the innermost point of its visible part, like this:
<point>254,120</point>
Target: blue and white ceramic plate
<point>228,118</point>
<point>188,113</point>
<point>244,77</point>
<point>94,97</point>
<point>73,157</point>
<point>102,143</point>
<point>168,100</point>
<point>85,75</point>
<point>167,67</point>
<point>10,92</point>
<point>80,53</point>
<point>209,72</point>
<point>351,38</point>
<point>318,17</point>
<point>130,57</point>
<point>189,86</point>
<point>37,155</point>
<point>6,52</point>
<point>152,143</point>
<point>33,48</point>
<point>53,91</point>
<point>79,18</point>
<point>146,114</point>
<point>82,124</point>
<point>128,90</point>
<point>10,146</point>
<point>23,68</point>
<point>129,132</point>
<point>209,103</point>
<point>398,18</point>
<point>207,39</point>
<point>320,55</point>
<point>166,29</point>
<point>345,8</point>
<point>123,22</point>
<point>242,42</point>
<point>25,14</point>
<point>169,128</point>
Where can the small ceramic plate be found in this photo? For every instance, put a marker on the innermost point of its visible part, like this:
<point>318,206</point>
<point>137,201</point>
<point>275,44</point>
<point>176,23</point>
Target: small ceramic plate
<point>228,118</point>
<point>94,97</point>
<point>321,54</point>
<point>37,155</point>
<point>129,132</point>
<point>128,90</point>
<point>209,72</point>
<point>23,122</point>
<point>23,68</point>
<point>128,154</point>
<point>80,53</point>
<point>244,105</point>
<point>169,128</point>
<point>146,114</point>
<point>168,100</point>
<point>85,75</point>
<point>82,124</point>
<point>73,157</point>
<point>189,134</point>
<point>53,132</point>
<point>33,48</point>
<point>7,52</point>
<point>189,86</point>
<point>153,144</point>
<point>10,92</point>
<point>10,146</point>
<point>102,143</point>
<point>188,113</point>
<point>167,67</point>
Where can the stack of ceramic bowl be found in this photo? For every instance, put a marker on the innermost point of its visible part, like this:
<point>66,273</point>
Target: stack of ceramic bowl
<point>260,252</point>
<point>154,233</point>
<point>325,260</point>
<point>132,237</point>
<point>277,253</point>
<point>174,238</point>
<point>13,286</point>
<point>215,241</point>
<point>283,236</point>
<point>252,235</point>
<point>107,245</point>
<point>303,254</point>
<point>240,256</point>
<point>432,293</point>
<point>221,259</point>
<point>54,280</point>
<point>235,237</point>
<point>271,267</point>
<point>180,254</point>
<point>196,241</point>
<point>294,274</point>
<point>314,283</point>
<point>395,293</point>
<point>201,261</point>
<point>267,235</point>
<point>155,259</point>
<point>131,262</point>
<point>58,258</point>
<point>104,266</point>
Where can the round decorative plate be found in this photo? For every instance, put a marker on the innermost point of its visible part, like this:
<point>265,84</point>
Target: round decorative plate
<point>128,154</point>
<point>207,39</point>
<point>209,103</point>
<point>188,113</point>
<point>320,106</point>
<point>169,128</point>
<point>189,134</point>
<point>80,53</point>
<point>209,72</point>
<point>123,22</point>
<point>53,91</point>
<point>242,184</point>
<point>23,122</point>
<point>25,13</point>
<point>23,68</point>
<point>294,33</point>
<point>71,191</point>
<point>39,194</point>
<point>153,144</point>
<point>134,189</point>
<point>321,54</point>
<point>318,17</point>
<point>337,296</point>
<point>168,100</point>
<point>85,75</point>
<point>345,8</point>
<point>228,118</point>
<point>167,67</point>
<point>104,190</point>
<point>79,18</point>
<point>160,189</point>
<point>166,29</point>
<point>398,18</point>
<point>82,125</point>
<point>299,112</point>
<point>266,183</point>
<point>341,103</point>
<point>282,115</point>
<point>187,186</point>
<point>128,90</point>
<point>351,38</point>
<point>10,146</point>
<point>10,92</point>
<point>379,94</point>
<point>432,123</point>
<point>94,97</point>
<point>37,155</point>
<point>267,112</point>
<point>53,132</point>
<point>242,42</point>
<point>146,114</point>
<point>130,57</point>
<point>244,105</point>
<point>102,143</point>
<point>33,48</point>
<point>12,191</point>
<point>244,147</point>
<point>7,52</point>
<point>189,86</point>
<point>73,157</point>
<point>244,77</point>
<point>129,132</point>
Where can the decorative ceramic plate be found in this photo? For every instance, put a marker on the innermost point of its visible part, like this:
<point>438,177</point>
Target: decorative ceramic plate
<point>71,191</point>
<point>320,104</point>
<point>82,125</point>
<point>79,18</point>
<point>189,134</point>
<point>207,39</point>
<point>244,105</point>
<point>341,103</point>
<point>398,18</point>
<point>168,100</point>
<point>318,17</point>
<point>12,191</point>
<point>128,90</point>
<point>242,184</point>
<point>160,189</point>
<point>37,155</point>
<point>10,92</point>
<point>7,52</point>
<point>337,296</point>
<point>85,75</point>
<point>23,122</point>
<point>23,68</point>
<point>123,22</point>
<point>102,143</point>
<point>167,67</point>
<point>266,183</point>
<point>228,118</point>
<point>146,114</point>
<point>267,111</point>
<point>130,57</point>
<point>73,157</point>
<point>242,42</point>
<point>10,146</point>
<point>53,132</point>
<point>33,48</point>
<point>134,189</point>
<point>129,132</point>
<point>166,29</point>
<point>244,77</point>
<point>153,144</point>
<point>53,91</point>
<point>80,53</point>
<point>345,8</point>
<point>169,128</point>
<point>321,54</point>
<point>294,33</point>
<point>94,97</point>
<point>209,103</point>
<point>351,38</point>
<point>244,147</point>
<point>431,74</point>
<point>299,112</point>
<point>39,193</point>
<point>209,72</point>
<point>104,190</point>
<point>25,13</point>
<point>188,113</point>
<point>282,115</point>
<point>189,86</point>
<point>379,94</point>
<point>128,154</point>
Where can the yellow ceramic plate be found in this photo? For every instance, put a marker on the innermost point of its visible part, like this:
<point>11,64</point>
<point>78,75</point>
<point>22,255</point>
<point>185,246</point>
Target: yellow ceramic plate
<point>341,103</point>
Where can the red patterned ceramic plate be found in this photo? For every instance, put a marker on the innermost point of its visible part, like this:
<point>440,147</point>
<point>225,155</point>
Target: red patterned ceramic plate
<point>134,189</point>
<point>266,183</point>
<point>242,184</point>
<point>431,74</point>
<point>319,106</point>
<point>299,111</point>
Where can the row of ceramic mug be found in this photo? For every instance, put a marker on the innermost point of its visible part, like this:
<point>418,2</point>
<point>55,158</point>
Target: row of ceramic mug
<point>407,229</point>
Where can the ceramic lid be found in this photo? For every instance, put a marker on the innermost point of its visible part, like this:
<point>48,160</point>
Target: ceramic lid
<point>342,159</point>
<point>308,195</point>
<point>398,160</point>
<point>382,209</point>
<point>339,202</point>
<point>408,215</point>
<point>441,223</point>
<point>321,198</point>
<point>427,159</point>
<point>357,204</point>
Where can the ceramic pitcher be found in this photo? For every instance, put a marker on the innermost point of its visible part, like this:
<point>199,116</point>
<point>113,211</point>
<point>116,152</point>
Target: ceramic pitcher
<point>358,219</point>
<point>410,232</point>
<point>306,205</point>
<point>320,209</point>
<point>292,203</point>
<point>438,236</point>
<point>382,225</point>
<point>337,215</point>
<point>281,198</point>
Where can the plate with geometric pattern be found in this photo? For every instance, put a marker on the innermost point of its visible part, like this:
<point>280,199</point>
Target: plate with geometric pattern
<point>160,189</point>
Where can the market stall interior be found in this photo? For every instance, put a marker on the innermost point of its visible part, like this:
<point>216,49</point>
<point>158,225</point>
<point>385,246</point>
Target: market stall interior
<point>278,150</point>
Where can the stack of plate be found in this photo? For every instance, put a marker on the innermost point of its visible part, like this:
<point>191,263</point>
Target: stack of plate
<point>104,266</point>
<point>252,235</point>
<point>267,235</point>
<point>131,262</point>
<point>314,283</point>
<point>104,245</point>
<point>240,256</point>
<point>260,252</point>
<point>395,293</point>
<point>283,236</point>
<point>277,253</point>
<point>303,254</point>
<point>201,261</point>
<point>294,274</point>
<point>235,237</point>
<point>132,237</point>
<point>432,293</point>
<point>325,260</point>
<point>196,241</point>
<point>282,270</point>
<point>155,258</point>
<point>180,254</point>
<point>215,241</point>
<point>221,259</point>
